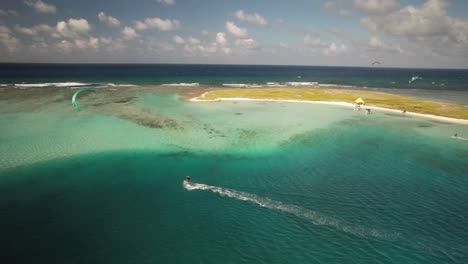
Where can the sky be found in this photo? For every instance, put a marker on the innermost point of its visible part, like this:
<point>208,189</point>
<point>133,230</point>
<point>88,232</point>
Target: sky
<point>398,33</point>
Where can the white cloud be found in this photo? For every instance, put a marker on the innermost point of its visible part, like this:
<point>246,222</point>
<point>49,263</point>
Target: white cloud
<point>375,43</point>
<point>376,7</point>
<point>8,12</point>
<point>37,30</point>
<point>312,41</point>
<point>86,44</point>
<point>254,19</point>
<point>333,49</point>
<point>167,2</point>
<point>247,43</point>
<point>315,44</point>
<point>227,50</point>
<point>221,38</point>
<point>129,33</point>
<point>427,29</point>
<point>7,41</point>
<point>194,41</point>
<point>283,45</point>
<point>178,39</point>
<point>73,27</point>
<point>238,32</point>
<point>79,25</point>
<point>26,31</point>
<point>64,46</point>
<point>158,23</point>
<point>200,49</point>
<point>336,7</point>
<point>108,20</point>
<point>41,7</point>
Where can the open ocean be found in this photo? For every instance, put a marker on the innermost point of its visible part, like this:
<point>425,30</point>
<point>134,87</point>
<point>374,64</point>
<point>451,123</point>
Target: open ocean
<point>271,182</point>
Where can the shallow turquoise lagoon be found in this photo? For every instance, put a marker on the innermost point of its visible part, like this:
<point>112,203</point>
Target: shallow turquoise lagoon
<point>271,183</point>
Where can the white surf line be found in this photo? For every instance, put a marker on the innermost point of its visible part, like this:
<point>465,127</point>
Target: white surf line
<point>344,104</point>
<point>309,215</point>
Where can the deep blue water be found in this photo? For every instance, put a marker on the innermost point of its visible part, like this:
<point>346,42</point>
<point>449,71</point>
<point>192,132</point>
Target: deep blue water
<point>217,75</point>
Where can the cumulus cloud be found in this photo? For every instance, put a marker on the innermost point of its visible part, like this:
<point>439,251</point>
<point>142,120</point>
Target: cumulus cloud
<point>8,12</point>
<point>41,7</point>
<point>336,7</point>
<point>129,33</point>
<point>79,25</point>
<point>376,45</point>
<point>315,44</point>
<point>238,32</point>
<point>108,20</point>
<point>194,41</point>
<point>167,2</point>
<point>86,44</point>
<point>73,27</point>
<point>200,49</point>
<point>221,38</point>
<point>248,43</point>
<point>376,7</point>
<point>428,20</point>
<point>427,25</point>
<point>312,41</point>
<point>64,46</point>
<point>333,49</point>
<point>26,31</point>
<point>178,39</point>
<point>254,19</point>
<point>158,23</point>
<point>38,30</point>
<point>7,40</point>
<point>222,43</point>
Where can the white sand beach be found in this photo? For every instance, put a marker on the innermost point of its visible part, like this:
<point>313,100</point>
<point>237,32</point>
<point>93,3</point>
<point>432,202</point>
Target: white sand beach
<point>343,104</point>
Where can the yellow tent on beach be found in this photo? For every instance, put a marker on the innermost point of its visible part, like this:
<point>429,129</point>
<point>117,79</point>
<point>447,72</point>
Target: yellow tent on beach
<point>359,101</point>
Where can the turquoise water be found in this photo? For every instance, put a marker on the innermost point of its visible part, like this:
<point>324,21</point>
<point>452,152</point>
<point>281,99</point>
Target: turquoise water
<point>271,183</point>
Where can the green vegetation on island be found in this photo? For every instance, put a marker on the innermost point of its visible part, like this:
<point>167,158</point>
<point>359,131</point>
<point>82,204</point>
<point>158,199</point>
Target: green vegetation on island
<point>377,99</point>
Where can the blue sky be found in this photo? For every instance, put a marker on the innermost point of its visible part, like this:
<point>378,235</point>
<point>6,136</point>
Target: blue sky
<point>410,33</point>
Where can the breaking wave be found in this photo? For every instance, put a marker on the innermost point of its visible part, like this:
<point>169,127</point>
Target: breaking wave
<point>309,215</point>
<point>181,84</point>
<point>60,84</point>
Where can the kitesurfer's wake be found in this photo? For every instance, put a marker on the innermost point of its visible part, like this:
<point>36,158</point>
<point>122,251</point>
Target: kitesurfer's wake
<point>309,215</point>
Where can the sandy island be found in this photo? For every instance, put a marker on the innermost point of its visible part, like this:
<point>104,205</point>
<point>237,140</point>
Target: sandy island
<point>342,104</point>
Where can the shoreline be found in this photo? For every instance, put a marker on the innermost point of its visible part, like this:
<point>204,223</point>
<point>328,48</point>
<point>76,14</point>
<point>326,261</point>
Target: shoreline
<point>342,104</point>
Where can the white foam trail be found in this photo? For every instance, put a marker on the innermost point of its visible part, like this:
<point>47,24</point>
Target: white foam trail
<point>181,84</point>
<point>460,138</point>
<point>311,216</point>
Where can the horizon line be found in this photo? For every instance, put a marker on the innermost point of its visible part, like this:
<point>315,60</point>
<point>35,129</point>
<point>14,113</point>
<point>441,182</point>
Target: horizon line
<point>226,64</point>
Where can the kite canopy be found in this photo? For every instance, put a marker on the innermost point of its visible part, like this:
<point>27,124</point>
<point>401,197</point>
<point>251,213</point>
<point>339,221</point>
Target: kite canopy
<point>359,101</point>
<point>75,104</point>
<point>376,63</point>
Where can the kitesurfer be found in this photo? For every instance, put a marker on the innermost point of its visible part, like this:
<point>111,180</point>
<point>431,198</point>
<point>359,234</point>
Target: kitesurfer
<point>187,178</point>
